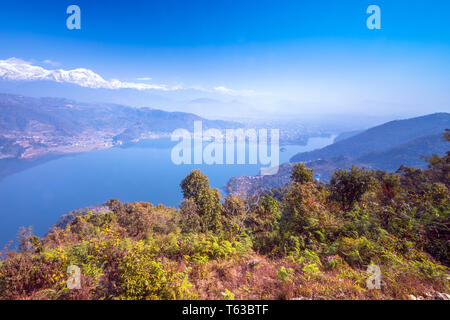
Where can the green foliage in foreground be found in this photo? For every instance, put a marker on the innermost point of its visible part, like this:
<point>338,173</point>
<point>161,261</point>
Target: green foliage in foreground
<point>317,242</point>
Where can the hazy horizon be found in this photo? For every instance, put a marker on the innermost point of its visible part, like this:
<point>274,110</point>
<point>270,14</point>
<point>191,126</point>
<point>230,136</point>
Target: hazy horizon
<point>261,60</point>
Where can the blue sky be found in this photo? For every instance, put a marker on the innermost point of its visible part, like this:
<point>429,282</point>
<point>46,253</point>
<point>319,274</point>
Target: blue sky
<point>294,56</point>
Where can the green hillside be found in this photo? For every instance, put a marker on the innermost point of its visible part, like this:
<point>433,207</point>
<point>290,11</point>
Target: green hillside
<point>305,241</point>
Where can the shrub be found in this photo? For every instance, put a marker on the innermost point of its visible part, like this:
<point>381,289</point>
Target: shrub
<point>285,274</point>
<point>333,262</point>
<point>357,251</point>
<point>430,269</point>
<point>301,174</point>
<point>23,275</point>
<point>311,269</point>
<point>142,277</point>
<point>348,186</point>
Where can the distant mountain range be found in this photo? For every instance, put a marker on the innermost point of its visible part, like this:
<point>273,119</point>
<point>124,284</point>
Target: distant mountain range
<point>381,138</point>
<point>40,80</point>
<point>385,147</point>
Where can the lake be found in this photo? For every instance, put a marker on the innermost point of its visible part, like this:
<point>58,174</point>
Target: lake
<point>39,195</point>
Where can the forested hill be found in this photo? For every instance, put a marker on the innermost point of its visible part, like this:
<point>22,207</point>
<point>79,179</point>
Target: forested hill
<point>408,153</point>
<point>381,138</point>
<point>34,127</point>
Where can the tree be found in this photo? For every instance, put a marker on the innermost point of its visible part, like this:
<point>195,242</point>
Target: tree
<point>24,239</point>
<point>234,206</point>
<point>447,134</point>
<point>348,186</point>
<point>301,208</point>
<point>234,214</point>
<point>196,187</point>
<point>439,167</point>
<point>389,186</point>
<point>301,174</point>
<point>418,181</point>
<point>266,215</point>
<point>194,184</point>
<point>190,220</point>
<point>264,224</point>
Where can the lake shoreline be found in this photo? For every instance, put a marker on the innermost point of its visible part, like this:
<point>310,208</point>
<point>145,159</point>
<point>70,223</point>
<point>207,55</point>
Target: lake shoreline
<point>40,193</point>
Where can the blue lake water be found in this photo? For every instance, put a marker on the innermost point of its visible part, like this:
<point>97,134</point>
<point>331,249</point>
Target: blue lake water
<point>39,195</point>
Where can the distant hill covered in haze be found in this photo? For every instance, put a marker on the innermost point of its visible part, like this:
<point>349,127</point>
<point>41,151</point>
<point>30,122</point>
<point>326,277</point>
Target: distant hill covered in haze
<point>346,135</point>
<point>390,144</point>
